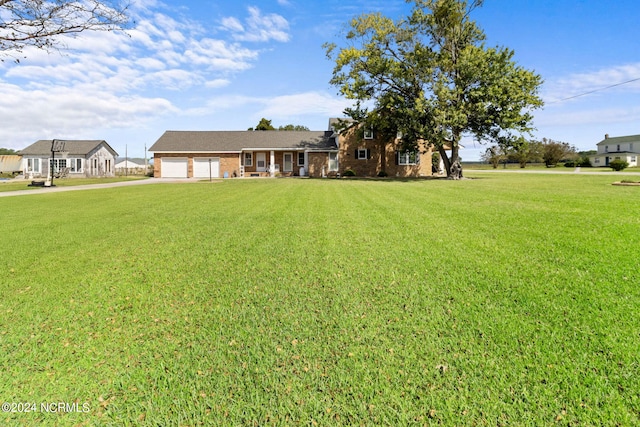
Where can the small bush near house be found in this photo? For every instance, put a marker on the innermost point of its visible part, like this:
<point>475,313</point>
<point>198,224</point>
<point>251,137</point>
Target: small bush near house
<point>382,174</point>
<point>618,165</point>
<point>349,172</point>
<point>569,165</point>
<point>584,162</point>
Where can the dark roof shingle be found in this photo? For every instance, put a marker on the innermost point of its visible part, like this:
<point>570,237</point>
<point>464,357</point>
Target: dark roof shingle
<point>71,147</point>
<point>235,141</point>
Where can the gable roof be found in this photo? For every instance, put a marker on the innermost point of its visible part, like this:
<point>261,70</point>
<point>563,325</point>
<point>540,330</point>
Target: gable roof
<point>71,147</point>
<point>236,141</point>
<point>612,140</point>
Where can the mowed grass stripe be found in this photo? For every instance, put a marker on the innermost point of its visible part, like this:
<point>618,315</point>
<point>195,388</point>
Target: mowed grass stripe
<point>506,299</point>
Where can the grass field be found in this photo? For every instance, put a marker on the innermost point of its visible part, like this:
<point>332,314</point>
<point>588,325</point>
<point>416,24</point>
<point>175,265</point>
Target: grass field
<point>503,300</point>
<point>23,184</point>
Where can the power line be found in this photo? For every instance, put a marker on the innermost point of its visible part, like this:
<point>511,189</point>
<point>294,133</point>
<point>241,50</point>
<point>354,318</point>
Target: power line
<point>596,90</point>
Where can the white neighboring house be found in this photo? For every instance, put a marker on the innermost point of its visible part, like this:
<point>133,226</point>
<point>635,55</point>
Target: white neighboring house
<point>131,167</point>
<point>80,158</point>
<point>625,148</point>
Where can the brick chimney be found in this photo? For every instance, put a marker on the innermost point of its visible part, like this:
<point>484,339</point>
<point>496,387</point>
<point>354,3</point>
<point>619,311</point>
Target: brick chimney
<point>606,136</point>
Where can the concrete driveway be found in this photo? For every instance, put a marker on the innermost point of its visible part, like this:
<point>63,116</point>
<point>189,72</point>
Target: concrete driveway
<point>47,190</point>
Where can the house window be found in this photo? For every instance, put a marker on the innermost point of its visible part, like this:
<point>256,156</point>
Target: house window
<point>362,154</point>
<point>58,164</point>
<point>606,148</point>
<point>368,132</point>
<point>333,162</point>
<point>75,165</point>
<point>107,165</point>
<point>633,159</point>
<point>33,165</point>
<point>618,147</point>
<point>597,160</point>
<point>248,158</point>
<point>288,162</point>
<point>301,158</point>
<point>408,158</point>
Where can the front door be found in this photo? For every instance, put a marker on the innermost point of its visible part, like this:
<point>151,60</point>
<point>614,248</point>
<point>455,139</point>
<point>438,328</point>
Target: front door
<point>261,162</point>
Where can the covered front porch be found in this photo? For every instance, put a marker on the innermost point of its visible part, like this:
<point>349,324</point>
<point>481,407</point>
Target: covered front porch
<point>273,163</point>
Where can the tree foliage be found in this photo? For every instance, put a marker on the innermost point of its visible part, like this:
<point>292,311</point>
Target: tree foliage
<point>430,77</point>
<point>293,127</point>
<point>265,124</point>
<point>494,155</point>
<point>554,151</point>
<point>40,23</point>
<point>7,151</point>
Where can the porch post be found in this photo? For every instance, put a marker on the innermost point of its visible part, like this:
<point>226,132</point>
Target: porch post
<point>272,163</point>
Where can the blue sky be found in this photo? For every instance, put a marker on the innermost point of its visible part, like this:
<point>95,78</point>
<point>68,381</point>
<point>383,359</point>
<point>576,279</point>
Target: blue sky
<point>220,65</point>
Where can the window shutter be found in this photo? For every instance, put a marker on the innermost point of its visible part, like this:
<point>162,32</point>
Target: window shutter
<point>368,154</point>
<point>418,157</point>
<point>356,154</point>
<point>397,157</point>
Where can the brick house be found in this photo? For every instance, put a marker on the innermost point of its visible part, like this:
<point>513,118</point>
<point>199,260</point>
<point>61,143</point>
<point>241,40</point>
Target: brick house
<point>218,154</point>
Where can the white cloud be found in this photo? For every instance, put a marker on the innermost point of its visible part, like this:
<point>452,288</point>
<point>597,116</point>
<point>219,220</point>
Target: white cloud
<point>593,116</point>
<point>114,80</point>
<point>64,112</point>
<point>259,27</point>
<point>232,24</point>
<point>579,85</point>
<point>217,83</point>
<point>315,103</point>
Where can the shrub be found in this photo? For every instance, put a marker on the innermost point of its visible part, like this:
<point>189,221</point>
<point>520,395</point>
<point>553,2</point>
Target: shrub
<point>584,162</point>
<point>569,165</point>
<point>618,165</point>
<point>349,172</point>
<point>382,174</point>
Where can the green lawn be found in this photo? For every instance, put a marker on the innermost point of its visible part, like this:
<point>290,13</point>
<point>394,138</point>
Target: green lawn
<point>23,184</point>
<point>503,300</point>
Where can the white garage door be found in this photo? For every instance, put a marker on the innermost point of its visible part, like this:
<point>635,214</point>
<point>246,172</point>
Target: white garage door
<point>173,167</point>
<point>201,167</point>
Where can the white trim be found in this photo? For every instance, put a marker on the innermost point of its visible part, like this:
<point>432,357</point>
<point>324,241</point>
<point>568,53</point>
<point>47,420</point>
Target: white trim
<point>272,161</point>
<point>191,153</point>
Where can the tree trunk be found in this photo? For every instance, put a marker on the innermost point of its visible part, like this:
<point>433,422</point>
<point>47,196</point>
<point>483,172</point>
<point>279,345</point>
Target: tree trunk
<point>452,164</point>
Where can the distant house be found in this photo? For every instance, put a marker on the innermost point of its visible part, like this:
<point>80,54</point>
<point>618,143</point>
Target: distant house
<point>79,158</point>
<point>130,166</point>
<point>625,148</point>
<point>200,154</point>
<point>10,164</point>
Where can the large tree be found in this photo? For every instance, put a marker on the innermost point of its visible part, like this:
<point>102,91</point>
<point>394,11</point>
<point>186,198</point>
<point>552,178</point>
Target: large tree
<point>433,78</point>
<point>40,23</point>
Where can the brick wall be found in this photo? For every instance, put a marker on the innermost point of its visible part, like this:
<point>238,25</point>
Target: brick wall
<point>381,156</point>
